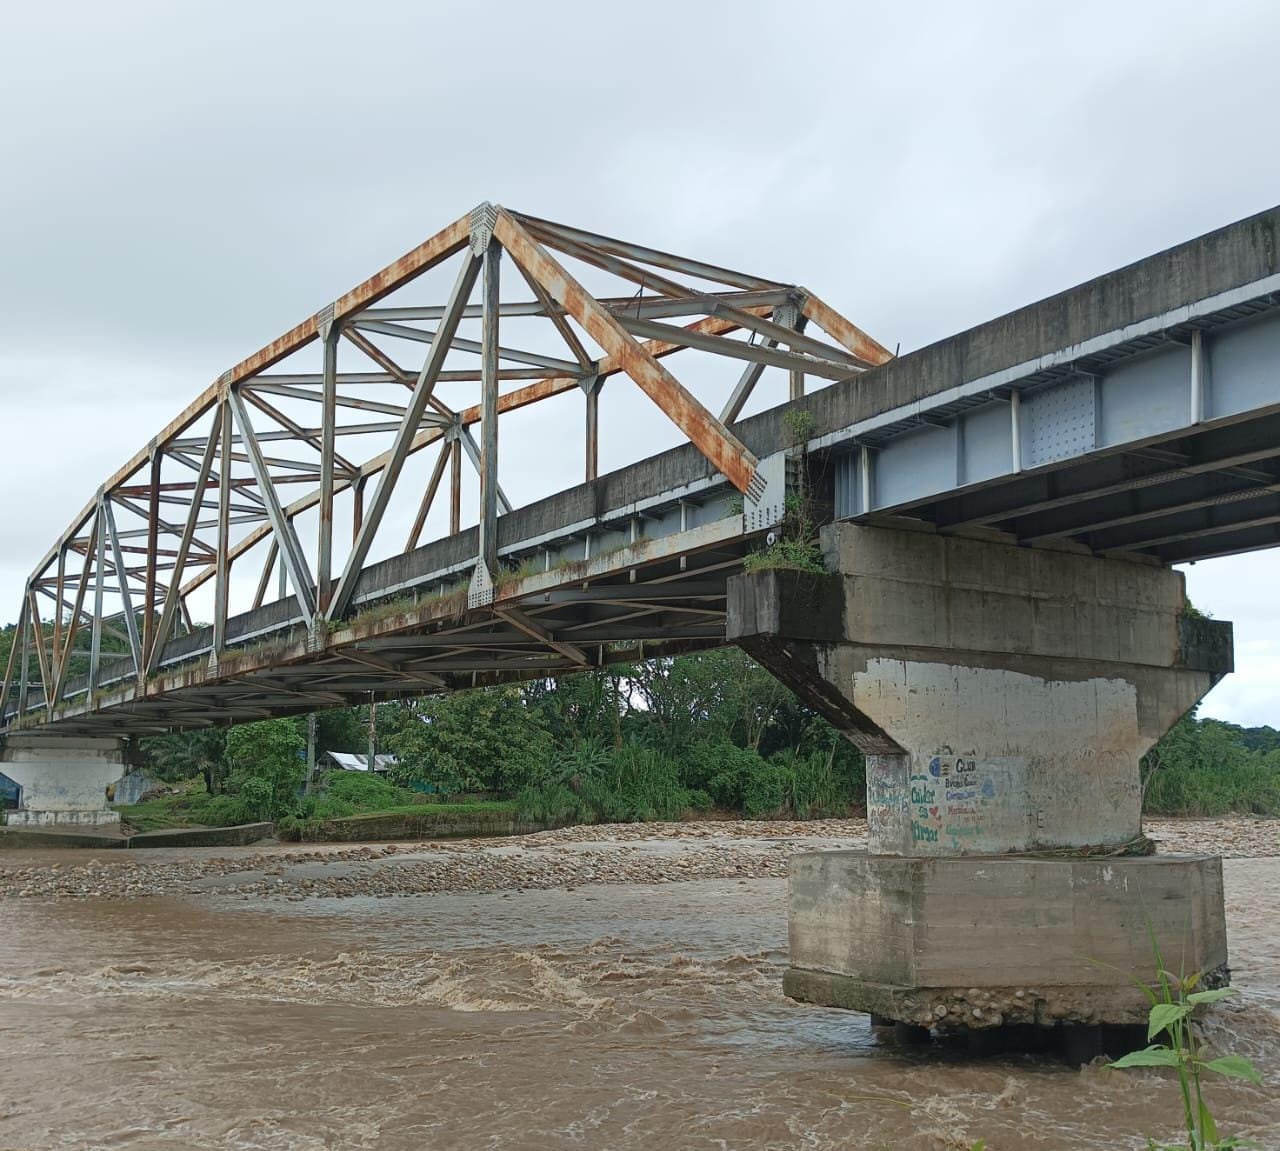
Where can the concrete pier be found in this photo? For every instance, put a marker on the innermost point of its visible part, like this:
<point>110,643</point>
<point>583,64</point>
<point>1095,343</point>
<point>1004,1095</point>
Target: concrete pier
<point>986,941</point>
<point>64,779</point>
<point>1004,697</point>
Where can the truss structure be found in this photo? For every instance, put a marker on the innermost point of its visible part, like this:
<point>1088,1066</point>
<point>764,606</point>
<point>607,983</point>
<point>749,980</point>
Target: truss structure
<point>286,466</point>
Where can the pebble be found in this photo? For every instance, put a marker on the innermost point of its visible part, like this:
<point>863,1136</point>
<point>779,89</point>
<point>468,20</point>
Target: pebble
<point>738,850</point>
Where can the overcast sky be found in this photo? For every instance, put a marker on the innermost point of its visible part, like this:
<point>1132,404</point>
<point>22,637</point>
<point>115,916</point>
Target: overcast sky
<point>180,183</point>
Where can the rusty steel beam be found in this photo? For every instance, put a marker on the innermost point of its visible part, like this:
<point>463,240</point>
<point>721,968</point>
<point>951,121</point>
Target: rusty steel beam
<point>490,351</point>
<point>520,398</point>
<point>99,570</point>
<point>404,438</point>
<point>428,498</point>
<point>863,347</point>
<point>605,335</point>
<point>222,562</point>
<point>725,451</point>
<point>455,485</point>
<point>328,454</point>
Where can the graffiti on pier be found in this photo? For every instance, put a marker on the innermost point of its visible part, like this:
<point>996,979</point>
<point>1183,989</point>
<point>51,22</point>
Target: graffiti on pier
<point>951,798</point>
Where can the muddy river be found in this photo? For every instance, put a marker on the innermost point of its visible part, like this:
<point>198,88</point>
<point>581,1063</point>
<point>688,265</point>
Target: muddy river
<point>280,1008</point>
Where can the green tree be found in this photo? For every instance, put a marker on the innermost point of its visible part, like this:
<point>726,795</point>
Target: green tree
<point>486,740</point>
<point>184,755</point>
<point>266,762</point>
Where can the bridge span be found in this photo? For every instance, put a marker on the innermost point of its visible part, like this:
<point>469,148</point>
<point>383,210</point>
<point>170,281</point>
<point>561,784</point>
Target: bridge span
<point>998,626</point>
<point>1135,415</point>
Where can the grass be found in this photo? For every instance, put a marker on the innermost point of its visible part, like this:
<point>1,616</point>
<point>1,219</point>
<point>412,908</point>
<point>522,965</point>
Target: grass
<point>188,807</point>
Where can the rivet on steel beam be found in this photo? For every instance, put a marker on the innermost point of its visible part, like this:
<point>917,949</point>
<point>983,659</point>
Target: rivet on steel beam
<point>324,321</point>
<point>786,315</point>
<point>482,219</point>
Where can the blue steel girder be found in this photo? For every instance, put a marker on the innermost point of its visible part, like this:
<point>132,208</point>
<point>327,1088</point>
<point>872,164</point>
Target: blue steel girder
<point>1157,438</point>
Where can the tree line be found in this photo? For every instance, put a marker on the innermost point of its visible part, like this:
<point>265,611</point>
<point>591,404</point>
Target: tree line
<point>693,733</point>
<point>649,741</point>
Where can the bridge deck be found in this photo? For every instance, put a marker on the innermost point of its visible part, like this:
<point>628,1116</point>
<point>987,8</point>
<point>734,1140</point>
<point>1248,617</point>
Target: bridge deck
<point>1136,415</point>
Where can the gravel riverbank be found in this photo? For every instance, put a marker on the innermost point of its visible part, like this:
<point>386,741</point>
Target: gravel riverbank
<point>566,858</point>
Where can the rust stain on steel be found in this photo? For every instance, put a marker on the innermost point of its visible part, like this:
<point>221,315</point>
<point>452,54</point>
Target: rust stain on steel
<point>729,455</point>
<point>430,252</point>
<point>844,331</point>
<point>523,397</point>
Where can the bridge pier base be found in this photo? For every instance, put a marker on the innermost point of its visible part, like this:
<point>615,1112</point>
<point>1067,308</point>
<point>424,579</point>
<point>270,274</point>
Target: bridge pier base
<point>64,779</point>
<point>1003,697</point>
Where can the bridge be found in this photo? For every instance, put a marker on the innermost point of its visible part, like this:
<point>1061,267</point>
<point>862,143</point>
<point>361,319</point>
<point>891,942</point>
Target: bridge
<point>1001,631</point>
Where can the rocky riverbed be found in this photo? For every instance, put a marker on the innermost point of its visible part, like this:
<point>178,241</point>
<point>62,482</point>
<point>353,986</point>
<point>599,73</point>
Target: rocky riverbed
<point>565,859</point>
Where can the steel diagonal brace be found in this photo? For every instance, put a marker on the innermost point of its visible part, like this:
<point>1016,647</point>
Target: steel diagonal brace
<point>472,450</point>
<point>173,596</point>
<point>404,440</point>
<point>6,684</point>
<point>290,549</point>
<point>725,451</point>
<point>122,578</point>
<point>408,673</point>
<point>517,619</point>
<point>82,586</point>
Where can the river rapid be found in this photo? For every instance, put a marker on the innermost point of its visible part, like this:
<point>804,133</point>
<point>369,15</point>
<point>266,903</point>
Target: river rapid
<point>290,999</point>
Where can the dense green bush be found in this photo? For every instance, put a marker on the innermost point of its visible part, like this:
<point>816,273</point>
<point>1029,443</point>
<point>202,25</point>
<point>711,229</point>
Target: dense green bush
<point>320,807</point>
<point>635,783</point>
<point>697,800</point>
<point>1206,767</point>
<point>219,810</point>
<point>820,787</point>
<point>475,741</point>
<point>648,783</point>
<point>267,765</point>
<point>767,790</point>
<point>364,791</point>
<point>554,803</point>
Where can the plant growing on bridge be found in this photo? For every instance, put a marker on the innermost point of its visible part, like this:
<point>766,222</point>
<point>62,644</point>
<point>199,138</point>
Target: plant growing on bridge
<point>1173,1004</point>
<point>796,542</point>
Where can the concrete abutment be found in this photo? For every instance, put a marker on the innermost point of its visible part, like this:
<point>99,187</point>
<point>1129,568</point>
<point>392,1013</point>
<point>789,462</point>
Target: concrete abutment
<point>1003,697</point>
<point>64,779</point>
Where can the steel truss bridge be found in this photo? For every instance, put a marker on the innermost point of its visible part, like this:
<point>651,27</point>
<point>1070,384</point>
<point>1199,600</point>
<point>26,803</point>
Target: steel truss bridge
<point>1136,415</point>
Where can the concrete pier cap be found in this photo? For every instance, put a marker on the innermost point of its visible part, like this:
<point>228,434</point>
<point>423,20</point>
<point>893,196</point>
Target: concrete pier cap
<point>64,779</point>
<point>1003,697</point>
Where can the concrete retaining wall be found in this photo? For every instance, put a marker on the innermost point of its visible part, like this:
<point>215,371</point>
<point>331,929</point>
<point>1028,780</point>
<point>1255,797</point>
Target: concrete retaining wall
<point>29,837</point>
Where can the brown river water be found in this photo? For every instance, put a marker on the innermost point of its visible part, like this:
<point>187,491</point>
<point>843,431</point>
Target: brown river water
<point>605,1016</point>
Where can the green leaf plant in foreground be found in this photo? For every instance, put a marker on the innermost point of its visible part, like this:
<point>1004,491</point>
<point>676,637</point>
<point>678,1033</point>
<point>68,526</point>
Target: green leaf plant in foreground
<point>1173,1004</point>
